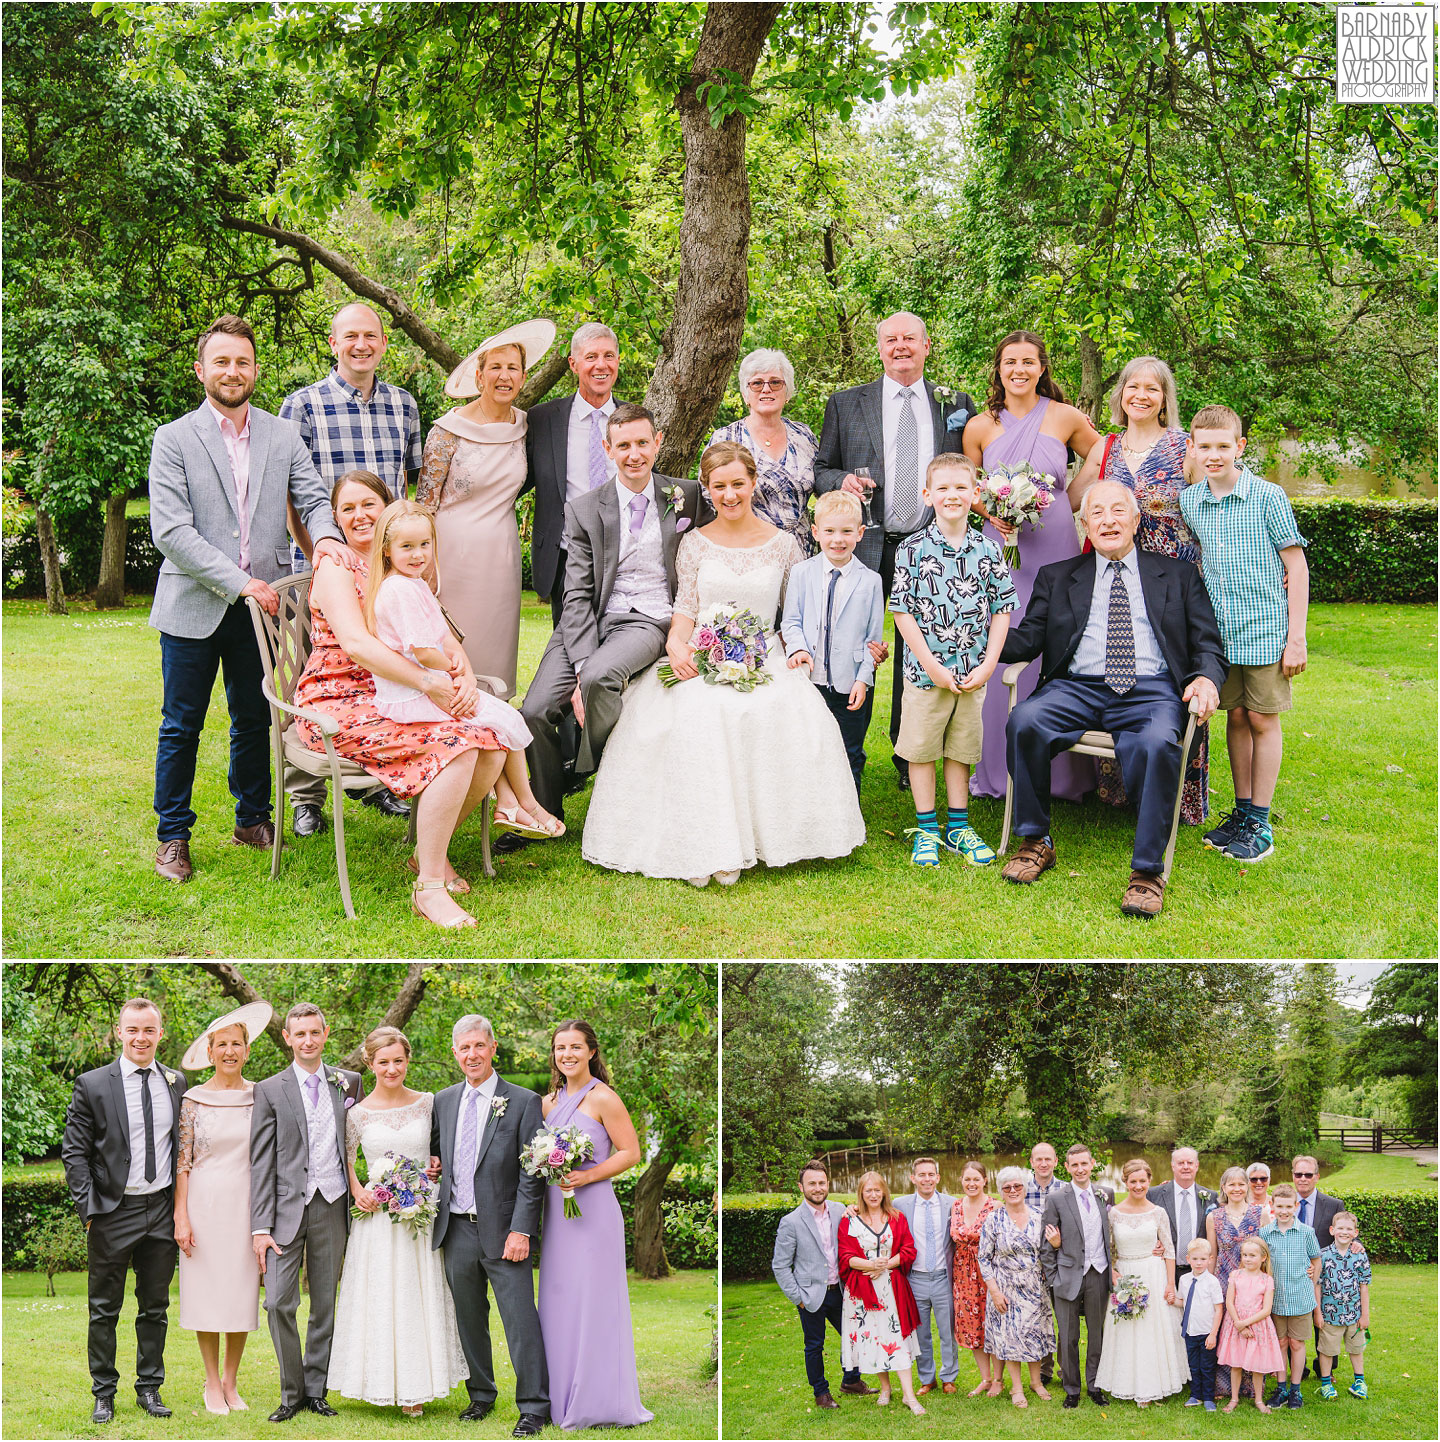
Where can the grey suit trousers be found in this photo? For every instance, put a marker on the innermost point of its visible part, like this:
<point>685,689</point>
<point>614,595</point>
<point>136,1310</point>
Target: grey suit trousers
<point>629,642</point>
<point>934,1296</point>
<point>1093,1298</point>
<point>470,1274</point>
<point>320,1244</point>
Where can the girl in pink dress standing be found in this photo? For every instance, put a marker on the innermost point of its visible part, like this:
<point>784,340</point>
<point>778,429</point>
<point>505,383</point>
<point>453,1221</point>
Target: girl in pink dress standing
<point>1248,1342</point>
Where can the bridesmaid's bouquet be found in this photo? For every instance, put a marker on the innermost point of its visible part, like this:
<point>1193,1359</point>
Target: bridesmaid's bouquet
<point>1016,495</point>
<point>549,1154</point>
<point>1129,1300</point>
<point>730,649</point>
<point>405,1193</point>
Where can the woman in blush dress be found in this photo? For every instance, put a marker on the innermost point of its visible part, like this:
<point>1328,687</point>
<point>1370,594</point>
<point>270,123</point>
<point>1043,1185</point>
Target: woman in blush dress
<point>1027,419</point>
<point>966,1220</point>
<point>1019,1324</point>
<point>1226,1228</point>
<point>219,1282</point>
<point>472,472</point>
<point>584,1297</point>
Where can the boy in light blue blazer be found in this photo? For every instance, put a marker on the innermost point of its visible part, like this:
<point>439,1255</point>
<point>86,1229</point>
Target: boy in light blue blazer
<point>834,611</point>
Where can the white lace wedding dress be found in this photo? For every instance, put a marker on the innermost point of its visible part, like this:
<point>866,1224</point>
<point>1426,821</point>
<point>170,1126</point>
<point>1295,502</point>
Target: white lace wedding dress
<point>1143,1359</point>
<point>698,779</point>
<point>395,1340</point>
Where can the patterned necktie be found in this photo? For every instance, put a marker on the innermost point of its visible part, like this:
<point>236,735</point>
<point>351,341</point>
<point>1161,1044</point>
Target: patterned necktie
<point>829,612</point>
<point>1183,1229</point>
<point>464,1193</point>
<point>905,498</point>
<point>597,450</point>
<point>932,1239</point>
<point>312,1085</point>
<point>1304,1207</point>
<point>638,508</point>
<point>1119,636</point>
<point>1085,1198</point>
<point>147,1110</point>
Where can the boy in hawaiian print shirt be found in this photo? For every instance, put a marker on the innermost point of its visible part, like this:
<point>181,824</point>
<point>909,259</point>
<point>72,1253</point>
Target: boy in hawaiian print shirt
<point>1343,1313</point>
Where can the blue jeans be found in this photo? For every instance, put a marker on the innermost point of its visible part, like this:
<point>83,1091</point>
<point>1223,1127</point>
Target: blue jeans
<point>188,666</point>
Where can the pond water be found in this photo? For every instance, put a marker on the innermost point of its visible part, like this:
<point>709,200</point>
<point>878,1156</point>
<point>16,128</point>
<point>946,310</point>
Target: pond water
<point>895,1168</point>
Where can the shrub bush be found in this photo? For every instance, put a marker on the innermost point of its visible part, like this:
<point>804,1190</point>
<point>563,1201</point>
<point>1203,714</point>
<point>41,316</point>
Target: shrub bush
<point>57,1244</point>
<point>79,538</point>
<point>32,1201</point>
<point>1368,548</point>
<point>1395,1226</point>
<point>749,1222</point>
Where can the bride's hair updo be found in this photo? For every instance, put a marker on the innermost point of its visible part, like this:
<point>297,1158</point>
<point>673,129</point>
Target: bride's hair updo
<point>725,453</point>
<point>597,1066</point>
<point>1135,1164</point>
<point>379,1039</point>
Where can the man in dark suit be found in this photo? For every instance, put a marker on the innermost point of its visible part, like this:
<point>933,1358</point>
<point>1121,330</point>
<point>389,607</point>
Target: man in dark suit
<point>1129,639</point>
<point>489,1214</point>
<point>122,1133</point>
<point>893,426</point>
<point>1186,1204</point>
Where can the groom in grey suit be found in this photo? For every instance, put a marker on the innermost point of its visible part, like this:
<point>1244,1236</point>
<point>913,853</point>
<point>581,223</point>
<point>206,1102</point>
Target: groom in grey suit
<point>489,1216</point>
<point>1077,1270</point>
<point>932,1275</point>
<point>619,593</point>
<point>300,1203</point>
<point>220,478</point>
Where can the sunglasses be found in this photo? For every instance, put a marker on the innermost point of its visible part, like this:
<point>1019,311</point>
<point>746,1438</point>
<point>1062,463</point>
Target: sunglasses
<point>1302,1174</point>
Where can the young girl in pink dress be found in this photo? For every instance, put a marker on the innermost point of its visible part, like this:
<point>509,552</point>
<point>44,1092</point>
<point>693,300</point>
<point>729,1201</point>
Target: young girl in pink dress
<point>1247,1337</point>
<point>401,610</point>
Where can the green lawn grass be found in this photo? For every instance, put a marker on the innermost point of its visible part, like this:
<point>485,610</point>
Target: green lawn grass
<point>765,1393</point>
<point>47,1386</point>
<point>1376,1171</point>
<point>1353,873</point>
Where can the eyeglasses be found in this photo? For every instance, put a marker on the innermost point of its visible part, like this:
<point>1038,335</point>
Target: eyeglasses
<point>760,383</point>
<point>1013,1187</point>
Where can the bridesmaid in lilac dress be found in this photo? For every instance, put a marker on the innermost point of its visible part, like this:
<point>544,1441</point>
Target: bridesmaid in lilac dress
<point>584,1297</point>
<point>1028,419</point>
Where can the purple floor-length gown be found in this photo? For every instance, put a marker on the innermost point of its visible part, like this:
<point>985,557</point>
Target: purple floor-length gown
<point>585,1297</point>
<point>1020,440</point>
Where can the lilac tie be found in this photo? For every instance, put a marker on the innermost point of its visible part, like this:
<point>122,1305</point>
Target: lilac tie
<point>597,451</point>
<point>1085,1198</point>
<point>463,1195</point>
<point>637,513</point>
<point>312,1084</point>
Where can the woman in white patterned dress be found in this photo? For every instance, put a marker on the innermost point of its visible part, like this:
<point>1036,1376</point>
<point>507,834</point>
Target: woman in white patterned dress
<point>700,781</point>
<point>395,1338</point>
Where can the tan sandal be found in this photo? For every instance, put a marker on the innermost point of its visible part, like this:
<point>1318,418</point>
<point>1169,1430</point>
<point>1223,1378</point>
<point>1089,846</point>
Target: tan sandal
<point>456,886</point>
<point>465,919</point>
<point>505,820</point>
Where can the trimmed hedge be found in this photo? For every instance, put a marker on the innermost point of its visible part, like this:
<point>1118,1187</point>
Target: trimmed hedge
<point>79,538</point>
<point>1394,1227</point>
<point>29,1199</point>
<point>1368,549</point>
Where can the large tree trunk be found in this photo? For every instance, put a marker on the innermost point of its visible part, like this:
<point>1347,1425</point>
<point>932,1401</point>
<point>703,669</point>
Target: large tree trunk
<point>1092,379</point>
<point>701,343</point>
<point>45,534</point>
<point>110,589</point>
<point>650,1259</point>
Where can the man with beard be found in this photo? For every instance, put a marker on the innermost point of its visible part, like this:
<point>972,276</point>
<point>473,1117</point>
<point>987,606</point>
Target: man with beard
<point>220,478</point>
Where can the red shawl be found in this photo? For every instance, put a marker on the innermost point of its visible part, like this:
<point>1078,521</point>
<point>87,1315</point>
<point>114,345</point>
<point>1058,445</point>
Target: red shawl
<point>861,1285</point>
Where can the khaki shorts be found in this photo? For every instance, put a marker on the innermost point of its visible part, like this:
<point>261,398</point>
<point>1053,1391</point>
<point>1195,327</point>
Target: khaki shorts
<point>1301,1326</point>
<point>1336,1340</point>
<point>936,723</point>
<point>1265,689</point>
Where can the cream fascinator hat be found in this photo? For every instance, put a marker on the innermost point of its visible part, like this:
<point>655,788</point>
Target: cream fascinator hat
<point>254,1018</point>
<point>534,337</point>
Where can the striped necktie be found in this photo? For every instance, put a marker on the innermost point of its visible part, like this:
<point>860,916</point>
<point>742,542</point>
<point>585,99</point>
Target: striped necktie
<point>905,495</point>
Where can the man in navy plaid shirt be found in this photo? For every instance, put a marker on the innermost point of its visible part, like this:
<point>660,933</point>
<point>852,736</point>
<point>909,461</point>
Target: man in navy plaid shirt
<point>351,421</point>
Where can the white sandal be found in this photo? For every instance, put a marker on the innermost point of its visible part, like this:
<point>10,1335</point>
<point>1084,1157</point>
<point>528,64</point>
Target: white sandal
<point>463,920</point>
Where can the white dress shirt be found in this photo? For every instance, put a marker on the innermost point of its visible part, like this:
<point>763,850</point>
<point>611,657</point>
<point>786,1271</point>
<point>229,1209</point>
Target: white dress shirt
<point>237,447</point>
<point>577,446</point>
<point>641,581</point>
<point>891,406</point>
<point>1091,1225</point>
<point>1089,658</point>
<point>850,576</point>
<point>162,1119</point>
<point>324,1174</point>
<point>1208,1296</point>
<point>481,1098</point>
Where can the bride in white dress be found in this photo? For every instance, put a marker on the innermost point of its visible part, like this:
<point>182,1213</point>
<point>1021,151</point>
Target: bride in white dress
<point>395,1339</point>
<point>1143,1358</point>
<point>700,781</point>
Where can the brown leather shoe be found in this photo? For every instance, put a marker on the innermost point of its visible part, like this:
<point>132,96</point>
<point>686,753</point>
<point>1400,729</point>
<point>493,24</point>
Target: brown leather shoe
<point>1027,865</point>
<point>172,861</point>
<point>261,836</point>
<point>859,1389</point>
<point>826,1400</point>
<point>1144,896</point>
<point>948,1388</point>
<point>923,1388</point>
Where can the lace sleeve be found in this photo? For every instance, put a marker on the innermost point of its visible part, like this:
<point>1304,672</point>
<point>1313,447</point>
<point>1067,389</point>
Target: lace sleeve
<point>186,1157</point>
<point>435,466</point>
<point>793,557</point>
<point>687,576</point>
<point>354,1125</point>
<point>1166,1240</point>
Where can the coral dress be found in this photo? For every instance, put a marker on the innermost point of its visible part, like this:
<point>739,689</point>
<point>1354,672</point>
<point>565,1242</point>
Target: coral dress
<point>971,1298</point>
<point>406,756</point>
<point>1260,1352</point>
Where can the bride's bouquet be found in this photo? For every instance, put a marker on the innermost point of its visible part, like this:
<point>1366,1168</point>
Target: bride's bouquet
<point>1130,1299</point>
<point>549,1154</point>
<point>730,649</point>
<point>1016,495</point>
<point>405,1193</point>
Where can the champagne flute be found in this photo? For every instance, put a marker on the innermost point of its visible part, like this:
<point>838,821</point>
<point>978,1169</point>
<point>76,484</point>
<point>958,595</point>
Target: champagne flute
<point>862,474</point>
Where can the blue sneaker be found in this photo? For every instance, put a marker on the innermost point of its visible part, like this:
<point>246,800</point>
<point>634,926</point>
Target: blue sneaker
<point>1231,825</point>
<point>1359,1389</point>
<point>965,841</point>
<point>1327,1389</point>
<point>1254,843</point>
<point>926,849</point>
<point>1209,1406</point>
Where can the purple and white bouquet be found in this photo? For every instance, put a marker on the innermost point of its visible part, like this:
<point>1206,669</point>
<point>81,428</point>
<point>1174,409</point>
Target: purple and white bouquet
<point>405,1193</point>
<point>1130,1299</point>
<point>1016,495</point>
<point>550,1153</point>
<point>730,649</point>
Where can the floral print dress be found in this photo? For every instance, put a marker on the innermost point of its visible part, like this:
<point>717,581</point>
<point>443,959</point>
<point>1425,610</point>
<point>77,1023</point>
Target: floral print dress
<point>971,1298</point>
<point>782,487</point>
<point>871,1340</point>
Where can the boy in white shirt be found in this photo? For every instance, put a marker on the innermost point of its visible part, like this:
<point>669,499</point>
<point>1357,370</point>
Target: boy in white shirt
<point>1202,1302</point>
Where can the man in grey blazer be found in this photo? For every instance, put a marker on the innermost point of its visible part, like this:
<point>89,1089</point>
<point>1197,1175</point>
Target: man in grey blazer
<point>1076,1265</point>
<point>1186,1204</point>
<point>927,1209</point>
<point>806,1264</point>
<point>300,1203</point>
<point>619,593</point>
<point>489,1215</point>
<point>893,426</point>
<point>220,479</point>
